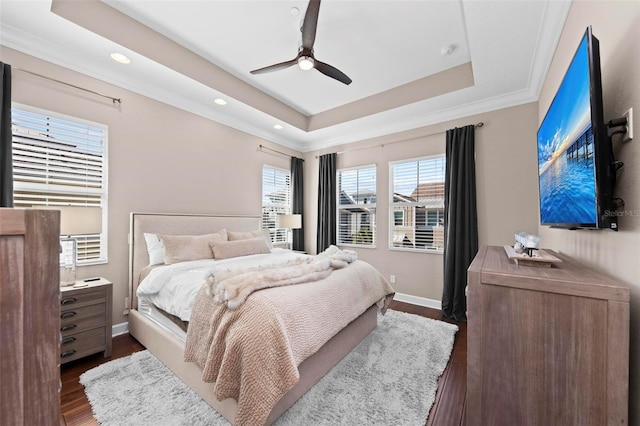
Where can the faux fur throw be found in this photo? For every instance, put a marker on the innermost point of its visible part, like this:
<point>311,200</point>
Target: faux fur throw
<point>233,287</point>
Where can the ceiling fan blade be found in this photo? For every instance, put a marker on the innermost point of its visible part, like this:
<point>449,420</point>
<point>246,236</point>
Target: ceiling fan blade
<point>276,67</point>
<point>332,72</point>
<point>310,24</point>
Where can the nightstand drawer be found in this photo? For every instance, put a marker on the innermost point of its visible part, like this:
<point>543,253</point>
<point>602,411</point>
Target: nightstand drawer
<point>82,344</point>
<point>76,320</point>
<point>82,299</point>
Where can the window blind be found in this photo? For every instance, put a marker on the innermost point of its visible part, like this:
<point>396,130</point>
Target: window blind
<point>417,204</point>
<point>276,200</point>
<point>61,161</point>
<point>357,206</point>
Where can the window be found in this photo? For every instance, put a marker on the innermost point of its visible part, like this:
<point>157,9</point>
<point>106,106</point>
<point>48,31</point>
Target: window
<point>398,218</point>
<point>357,206</point>
<point>417,204</point>
<point>61,161</point>
<point>276,200</point>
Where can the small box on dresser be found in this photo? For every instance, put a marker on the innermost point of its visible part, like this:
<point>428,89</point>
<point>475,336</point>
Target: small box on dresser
<point>85,320</point>
<point>545,346</point>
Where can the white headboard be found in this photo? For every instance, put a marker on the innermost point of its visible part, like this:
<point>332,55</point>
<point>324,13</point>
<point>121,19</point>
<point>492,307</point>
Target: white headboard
<point>174,224</point>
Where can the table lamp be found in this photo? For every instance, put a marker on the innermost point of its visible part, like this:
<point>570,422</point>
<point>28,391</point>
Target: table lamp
<point>289,221</point>
<point>74,221</point>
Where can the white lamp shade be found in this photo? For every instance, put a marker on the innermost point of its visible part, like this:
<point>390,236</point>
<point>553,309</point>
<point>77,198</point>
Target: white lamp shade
<point>78,220</point>
<point>290,221</point>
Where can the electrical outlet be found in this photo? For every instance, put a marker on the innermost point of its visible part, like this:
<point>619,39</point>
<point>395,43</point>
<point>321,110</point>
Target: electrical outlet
<point>392,279</point>
<point>629,135</point>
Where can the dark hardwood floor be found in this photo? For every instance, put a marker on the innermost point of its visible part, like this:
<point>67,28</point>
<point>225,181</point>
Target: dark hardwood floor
<point>448,408</point>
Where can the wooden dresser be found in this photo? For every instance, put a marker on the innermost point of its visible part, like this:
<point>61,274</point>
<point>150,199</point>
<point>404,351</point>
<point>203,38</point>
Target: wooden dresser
<point>546,346</point>
<point>29,317</point>
<point>85,315</point>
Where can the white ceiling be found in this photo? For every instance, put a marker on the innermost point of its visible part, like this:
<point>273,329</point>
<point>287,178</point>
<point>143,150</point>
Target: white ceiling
<point>390,49</point>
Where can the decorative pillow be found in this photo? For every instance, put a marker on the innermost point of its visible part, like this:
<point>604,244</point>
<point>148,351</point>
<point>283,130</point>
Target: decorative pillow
<point>155,249</point>
<point>264,233</point>
<point>182,248</point>
<point>227,249</point>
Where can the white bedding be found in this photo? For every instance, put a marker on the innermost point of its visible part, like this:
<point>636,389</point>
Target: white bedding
<point>173,288</point>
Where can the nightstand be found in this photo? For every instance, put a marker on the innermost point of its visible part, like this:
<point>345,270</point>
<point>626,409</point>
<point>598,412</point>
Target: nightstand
<point>85,319</point>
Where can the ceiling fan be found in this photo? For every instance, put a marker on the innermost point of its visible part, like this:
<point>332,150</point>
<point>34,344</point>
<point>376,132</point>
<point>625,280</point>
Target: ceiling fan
<point>305,58</point>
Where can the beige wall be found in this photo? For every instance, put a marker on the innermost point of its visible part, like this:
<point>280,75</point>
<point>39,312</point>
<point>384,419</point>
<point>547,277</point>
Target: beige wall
<point>507,199</point>
<point>161,159</point>
<point>617,25</point>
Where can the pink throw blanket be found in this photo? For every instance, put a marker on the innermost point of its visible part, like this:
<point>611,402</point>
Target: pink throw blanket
<point>252,353</point>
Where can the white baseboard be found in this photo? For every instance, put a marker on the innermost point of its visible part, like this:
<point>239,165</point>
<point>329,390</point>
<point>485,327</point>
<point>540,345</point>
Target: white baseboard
<point>420,301</point>
<point>118,329</point>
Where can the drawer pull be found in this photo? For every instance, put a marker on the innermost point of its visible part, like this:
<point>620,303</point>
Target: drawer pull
<point>68,301</point>
<point>68,339</point>
<point>69,314</point>
<point>67,353</point>
<point>68,327</point>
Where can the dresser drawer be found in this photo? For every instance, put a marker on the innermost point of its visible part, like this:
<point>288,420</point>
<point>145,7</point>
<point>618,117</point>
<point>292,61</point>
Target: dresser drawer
<point>82,344</point>
<point>81,319</point>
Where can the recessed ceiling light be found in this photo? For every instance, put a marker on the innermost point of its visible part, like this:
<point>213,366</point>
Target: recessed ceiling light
<point>220,101</point>
<point>119,57</point>
<point>278,126</point>
<point>294,11</point>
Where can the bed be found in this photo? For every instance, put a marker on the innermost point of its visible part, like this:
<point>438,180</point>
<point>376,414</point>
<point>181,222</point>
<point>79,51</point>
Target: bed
<point>166,339</point>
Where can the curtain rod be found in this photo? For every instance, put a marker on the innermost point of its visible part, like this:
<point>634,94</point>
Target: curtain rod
<point>262,147</point>
<point>114,100</point>
<point>382,145</point>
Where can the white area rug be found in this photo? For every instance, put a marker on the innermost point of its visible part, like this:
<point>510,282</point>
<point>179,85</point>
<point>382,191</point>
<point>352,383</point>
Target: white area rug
<point>390,378</point>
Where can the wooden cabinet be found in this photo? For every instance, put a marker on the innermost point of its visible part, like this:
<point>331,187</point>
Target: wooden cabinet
<point>29,317</point>
<point>85,320</point>
<point>546,346</point>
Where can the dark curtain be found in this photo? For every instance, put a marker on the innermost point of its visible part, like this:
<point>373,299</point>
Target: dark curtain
<point>461,220</point>
<point>297,200</point>
<point>326,202</point>
<point>6,162</point>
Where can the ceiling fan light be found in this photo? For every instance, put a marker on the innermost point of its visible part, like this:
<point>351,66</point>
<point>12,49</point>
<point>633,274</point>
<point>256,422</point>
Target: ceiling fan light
<point>305,62</point>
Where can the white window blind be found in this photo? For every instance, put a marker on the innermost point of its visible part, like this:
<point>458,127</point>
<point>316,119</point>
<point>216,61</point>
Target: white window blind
<point>357,206</point>
<point>417,204</point>
<point>276,200</point>
<point>60,161</point>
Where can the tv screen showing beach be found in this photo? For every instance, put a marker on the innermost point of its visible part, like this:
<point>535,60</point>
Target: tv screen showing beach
<point>566,150</point>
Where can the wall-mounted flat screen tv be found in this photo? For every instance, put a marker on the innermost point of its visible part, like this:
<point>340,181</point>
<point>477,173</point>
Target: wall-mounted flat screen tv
<point>575,161</point>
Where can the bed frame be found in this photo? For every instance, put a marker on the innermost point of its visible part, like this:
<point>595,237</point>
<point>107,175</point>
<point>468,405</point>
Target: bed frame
<point>169,348</point>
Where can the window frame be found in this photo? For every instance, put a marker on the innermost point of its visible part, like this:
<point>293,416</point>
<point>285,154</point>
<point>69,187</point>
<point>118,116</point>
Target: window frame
<point>275,232</point>
<point>84,197</point>
<point>373,220</point>
<point>414,205</point>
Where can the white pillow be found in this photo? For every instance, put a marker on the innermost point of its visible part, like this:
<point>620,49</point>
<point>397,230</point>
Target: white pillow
<point>155,249</point>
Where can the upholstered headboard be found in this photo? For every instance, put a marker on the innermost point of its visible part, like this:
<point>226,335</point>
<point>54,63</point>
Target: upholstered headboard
<point>174,224</point>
